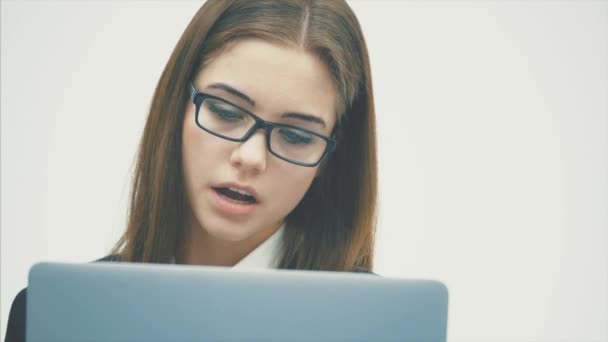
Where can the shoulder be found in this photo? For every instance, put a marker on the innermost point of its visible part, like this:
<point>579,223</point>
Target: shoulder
<point>111,257</point>
<point>363,270</point>
<point>15,327</point>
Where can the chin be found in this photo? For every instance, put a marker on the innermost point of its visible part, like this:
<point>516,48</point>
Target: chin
<point>223,232</point>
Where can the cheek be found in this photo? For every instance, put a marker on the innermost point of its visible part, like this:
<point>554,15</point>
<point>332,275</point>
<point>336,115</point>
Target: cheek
<point>190,143</point>
<point>198,152</point>
<point>291,186</point>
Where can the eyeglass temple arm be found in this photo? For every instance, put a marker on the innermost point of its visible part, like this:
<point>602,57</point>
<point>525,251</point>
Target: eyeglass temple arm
<point>192,90</point>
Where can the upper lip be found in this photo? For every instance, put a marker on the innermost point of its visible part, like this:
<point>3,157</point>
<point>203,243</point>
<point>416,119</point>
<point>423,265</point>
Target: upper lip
<point>247,188</point>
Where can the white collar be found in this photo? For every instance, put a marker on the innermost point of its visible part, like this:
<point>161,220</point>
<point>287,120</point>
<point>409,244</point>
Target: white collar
<point>263,256</point>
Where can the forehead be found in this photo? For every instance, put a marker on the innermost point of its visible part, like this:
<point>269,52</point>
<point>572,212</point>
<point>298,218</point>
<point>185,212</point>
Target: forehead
<point>278,79</point>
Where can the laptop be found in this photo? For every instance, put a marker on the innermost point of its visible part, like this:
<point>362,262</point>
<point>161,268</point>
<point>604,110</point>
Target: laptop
<point>108,301</point>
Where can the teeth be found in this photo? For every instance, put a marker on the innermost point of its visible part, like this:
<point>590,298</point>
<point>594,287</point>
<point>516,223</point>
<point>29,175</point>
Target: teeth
<point>242,192</point>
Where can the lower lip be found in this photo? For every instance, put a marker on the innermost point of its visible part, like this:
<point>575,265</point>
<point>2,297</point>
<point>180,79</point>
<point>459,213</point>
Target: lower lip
<point>230,207</point>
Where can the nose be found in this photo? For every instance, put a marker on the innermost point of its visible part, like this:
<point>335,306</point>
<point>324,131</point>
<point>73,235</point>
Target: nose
<point>250,155</point>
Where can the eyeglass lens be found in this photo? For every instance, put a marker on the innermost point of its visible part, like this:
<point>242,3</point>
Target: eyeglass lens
<point>226,120</point>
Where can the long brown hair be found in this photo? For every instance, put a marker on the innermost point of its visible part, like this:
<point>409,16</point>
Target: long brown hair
<point>333,227</point>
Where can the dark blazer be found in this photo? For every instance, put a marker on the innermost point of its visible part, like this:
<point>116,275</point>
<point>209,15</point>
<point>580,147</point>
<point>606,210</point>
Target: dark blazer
<point>15,328</point>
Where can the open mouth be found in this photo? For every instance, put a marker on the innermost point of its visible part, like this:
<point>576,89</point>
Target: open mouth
<point>236,195</point>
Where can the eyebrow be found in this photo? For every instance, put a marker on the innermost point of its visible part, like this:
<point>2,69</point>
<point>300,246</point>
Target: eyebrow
<point>300,116</point>
<point>305,117</point>
<point>232,91</point>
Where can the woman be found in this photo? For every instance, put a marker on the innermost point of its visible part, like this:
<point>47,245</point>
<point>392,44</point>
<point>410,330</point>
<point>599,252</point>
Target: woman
<point>259,147</point>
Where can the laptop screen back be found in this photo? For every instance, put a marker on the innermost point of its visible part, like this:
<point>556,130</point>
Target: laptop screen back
<point>144,302</point>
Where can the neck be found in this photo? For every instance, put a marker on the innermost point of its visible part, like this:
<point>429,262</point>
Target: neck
<point>198,247</point>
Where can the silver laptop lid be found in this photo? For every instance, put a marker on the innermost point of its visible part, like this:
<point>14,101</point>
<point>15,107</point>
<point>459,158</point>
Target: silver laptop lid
<point>151,302</point>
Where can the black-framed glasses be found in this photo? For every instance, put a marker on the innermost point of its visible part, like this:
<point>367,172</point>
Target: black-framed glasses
<point>226,120</point>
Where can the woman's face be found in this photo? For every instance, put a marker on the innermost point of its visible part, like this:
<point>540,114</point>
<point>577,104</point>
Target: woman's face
<point>269,81</point>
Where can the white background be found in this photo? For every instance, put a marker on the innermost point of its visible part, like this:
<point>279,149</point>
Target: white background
<point>492,131</point>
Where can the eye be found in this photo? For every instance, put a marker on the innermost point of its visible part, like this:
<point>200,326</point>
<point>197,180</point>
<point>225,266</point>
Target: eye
<point>295,137</point>
<point>225,111</point>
